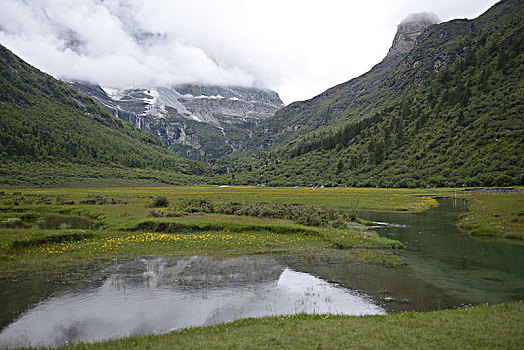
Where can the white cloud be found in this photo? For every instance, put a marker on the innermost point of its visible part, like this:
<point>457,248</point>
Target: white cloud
<point>299,48</point>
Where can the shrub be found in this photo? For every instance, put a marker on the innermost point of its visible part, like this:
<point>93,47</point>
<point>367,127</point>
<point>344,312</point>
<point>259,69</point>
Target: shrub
<point>197,205</point>
<point>160,201</point>
<point>61,201</point>
<point>503,180</point>
<point>31,215</point>
<point>156,213</point>
<point>95,200</point>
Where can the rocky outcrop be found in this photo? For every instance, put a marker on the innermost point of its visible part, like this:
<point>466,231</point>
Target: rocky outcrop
<point>408,30</point>
<point>218,104</point>
<point>197,121</point>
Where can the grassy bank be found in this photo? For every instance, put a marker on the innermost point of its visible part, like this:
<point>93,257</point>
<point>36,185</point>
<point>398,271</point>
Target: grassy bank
<point>221,221</point>
<point>494,214</point>
<point>127,223</point>
<point>37,250</point>
<point>361,198</point>
<point>480,327</point>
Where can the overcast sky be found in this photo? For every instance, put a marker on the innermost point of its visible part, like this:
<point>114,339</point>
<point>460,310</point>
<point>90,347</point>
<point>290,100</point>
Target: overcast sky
<point>298,48</point>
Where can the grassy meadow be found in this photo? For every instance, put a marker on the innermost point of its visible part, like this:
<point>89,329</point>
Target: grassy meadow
<point>126,224</point>
<point>495,214</point>
<point>242,220</point>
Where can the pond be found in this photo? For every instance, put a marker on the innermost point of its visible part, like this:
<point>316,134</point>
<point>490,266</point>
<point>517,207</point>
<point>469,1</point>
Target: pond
<point>158,294</point>
<point>443,268</point>
<point>53,222</point>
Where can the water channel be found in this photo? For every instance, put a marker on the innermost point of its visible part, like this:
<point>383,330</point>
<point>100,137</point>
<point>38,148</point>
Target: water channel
<point>473,269</point>
<point>443,269</point>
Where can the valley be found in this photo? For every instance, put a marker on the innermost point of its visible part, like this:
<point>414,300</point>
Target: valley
<point>190,240</point>
<point>387,211</point>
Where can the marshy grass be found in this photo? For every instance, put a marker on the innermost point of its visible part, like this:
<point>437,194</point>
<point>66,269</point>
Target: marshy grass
<point>196,236</point>
<point>125,226</point>
<point>123,213</point>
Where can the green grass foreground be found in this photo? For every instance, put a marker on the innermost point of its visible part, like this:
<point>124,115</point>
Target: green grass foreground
<point>130,222</point>
<point>479,327</point>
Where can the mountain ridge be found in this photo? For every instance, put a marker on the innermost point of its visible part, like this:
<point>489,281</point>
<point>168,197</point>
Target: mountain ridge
<point>302,117</point>
<point>194,120</point>
<point>445,112</point>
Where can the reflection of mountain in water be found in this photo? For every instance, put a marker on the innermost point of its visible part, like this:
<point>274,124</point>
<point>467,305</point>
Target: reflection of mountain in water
<point>196,272</point>
<point>155,295</point>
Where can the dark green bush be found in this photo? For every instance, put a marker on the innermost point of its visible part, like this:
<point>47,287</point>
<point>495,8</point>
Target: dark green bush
<point>197,205</point>
<point>30,215</point>
<point>303,214</point>
<point>160,201</point>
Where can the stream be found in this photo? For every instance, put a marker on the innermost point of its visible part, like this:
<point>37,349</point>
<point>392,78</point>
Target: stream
<point>473,269</point>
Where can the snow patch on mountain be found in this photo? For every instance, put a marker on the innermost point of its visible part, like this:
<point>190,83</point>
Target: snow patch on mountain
<point>207,120</point>
<point>115,94</point>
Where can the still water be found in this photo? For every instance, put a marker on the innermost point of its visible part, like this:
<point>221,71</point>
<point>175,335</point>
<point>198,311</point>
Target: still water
<point>53,222</point>
<point>49,222</point>
<point>443,269</point>
<point>156,295</point>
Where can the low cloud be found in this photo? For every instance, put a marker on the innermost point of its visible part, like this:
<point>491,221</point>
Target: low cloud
<point>297,47</point>
<point>119,43</point>
<point>421,17</point>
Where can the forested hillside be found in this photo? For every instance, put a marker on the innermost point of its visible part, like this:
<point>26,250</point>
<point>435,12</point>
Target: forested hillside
<point>444,110</point>
<point>43,121</point>
<point>450,115</point>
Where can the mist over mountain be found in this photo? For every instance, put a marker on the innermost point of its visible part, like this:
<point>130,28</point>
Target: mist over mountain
<point>297,48</point>
<point>123,44</point>
<point>408,30</point>
<point>353,99</point>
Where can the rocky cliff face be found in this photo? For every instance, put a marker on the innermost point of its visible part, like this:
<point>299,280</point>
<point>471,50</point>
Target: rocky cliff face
<point>197,121</point>
<point>408,30</point>
<point>215,104</point>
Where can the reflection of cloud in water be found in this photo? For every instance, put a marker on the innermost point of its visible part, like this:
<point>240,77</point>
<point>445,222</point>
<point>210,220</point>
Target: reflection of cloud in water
<point>383,224</point>
<point>164,294</point>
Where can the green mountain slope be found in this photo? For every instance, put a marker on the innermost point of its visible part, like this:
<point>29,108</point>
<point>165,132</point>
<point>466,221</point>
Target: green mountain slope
<point>450,112</point>
<point>354,99</point>
<point>43,121</point>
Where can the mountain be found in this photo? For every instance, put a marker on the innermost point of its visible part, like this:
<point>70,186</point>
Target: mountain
<point>444,108</point>
<point>45,122</point>
<point>196,121</point>
<point>354,99</point>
